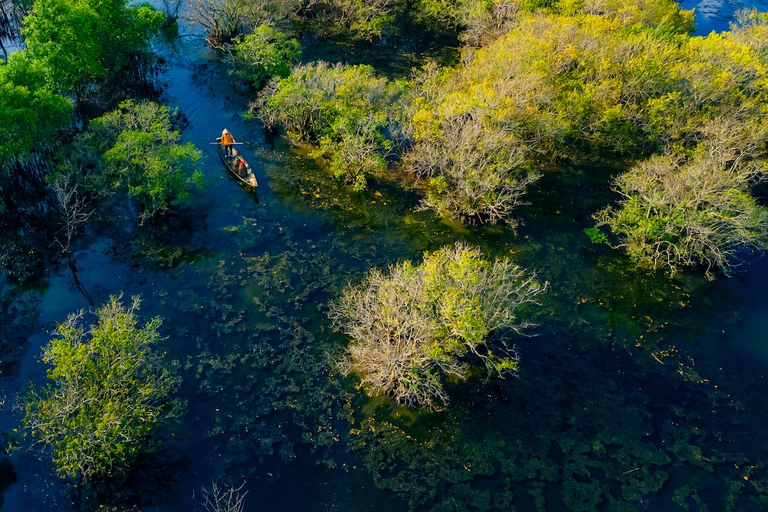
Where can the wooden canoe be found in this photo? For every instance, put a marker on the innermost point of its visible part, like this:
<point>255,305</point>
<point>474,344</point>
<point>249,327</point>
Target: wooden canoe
<point>248,180</point>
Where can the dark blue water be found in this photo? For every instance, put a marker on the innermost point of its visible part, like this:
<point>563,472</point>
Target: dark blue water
<point>636,393</point>
<point>717,15</point>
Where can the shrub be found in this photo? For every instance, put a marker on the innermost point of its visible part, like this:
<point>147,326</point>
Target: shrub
<point>365,19</point>
<point>108,396</point>
<point>264,54</point>
<point>413,325</point>
<point>349,112</point>
<point>144,158</point>
<point>678,212</point>
<point>225,20</point>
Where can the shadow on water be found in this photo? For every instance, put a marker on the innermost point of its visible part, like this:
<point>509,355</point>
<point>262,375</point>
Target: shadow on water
<point>636,391</point>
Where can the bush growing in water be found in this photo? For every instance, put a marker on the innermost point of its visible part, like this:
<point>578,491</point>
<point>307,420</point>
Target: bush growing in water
<point>693,205</point>
<point>552,87</point>
<point>108,396</point>
<point>143,157</point>
<point>348,112</point>
<point>264,54</point>
<point>677,212</point>
<point>414,325</point>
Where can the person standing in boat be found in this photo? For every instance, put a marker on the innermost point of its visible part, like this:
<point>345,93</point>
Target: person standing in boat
<point>227,140</point>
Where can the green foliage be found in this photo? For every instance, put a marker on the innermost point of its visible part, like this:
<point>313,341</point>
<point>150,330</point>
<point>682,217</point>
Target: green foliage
<point>81,42</point>
<point>365,19</point>
<point>225,20</point>
<point>416,324</point>
<point>264,54</point>
<point>31,114</point>
<point>108,395</point>
<point>694,205</point>
<point>349,112</point>
<point>628,81</point>
<point>143,157</point>
<point>484,21</point>
<point>696,211</point>
<point>596,236</point>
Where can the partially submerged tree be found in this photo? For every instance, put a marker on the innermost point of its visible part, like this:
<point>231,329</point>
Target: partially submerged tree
<point>225,20</point>
<point>415,325</point>
<point>263,54</point>
<point>677,211</point>
<point>694,206</point>
<point>31,113</point>
<point>222,498</point>
<point>83,44</point>
<point>144,157</point>
<point>348,112</point>
<point>108,397</point>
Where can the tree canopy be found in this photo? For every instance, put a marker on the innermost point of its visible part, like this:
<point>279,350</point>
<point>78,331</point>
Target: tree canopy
<point>143,156</point>
<point>415,324</point>
<point>108,393</point>
<point>349,112</point>
<point>80,42</point>
<point>31,113</point>
<point>264,54</point>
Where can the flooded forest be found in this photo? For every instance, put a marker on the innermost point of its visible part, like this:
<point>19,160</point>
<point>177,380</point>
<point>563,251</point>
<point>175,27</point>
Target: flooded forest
<point>386,255</point>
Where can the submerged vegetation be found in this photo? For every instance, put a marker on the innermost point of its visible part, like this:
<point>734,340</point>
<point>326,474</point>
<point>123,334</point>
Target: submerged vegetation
<point>429,192</point>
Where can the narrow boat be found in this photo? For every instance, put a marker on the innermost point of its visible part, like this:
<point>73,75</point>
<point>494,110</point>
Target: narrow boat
<point>249,179</point>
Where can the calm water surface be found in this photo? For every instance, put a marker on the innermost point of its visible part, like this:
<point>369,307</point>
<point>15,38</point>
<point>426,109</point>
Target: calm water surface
<point>636,392</point>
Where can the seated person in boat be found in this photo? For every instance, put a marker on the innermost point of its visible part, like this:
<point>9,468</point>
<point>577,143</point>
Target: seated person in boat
<point>240,166</point>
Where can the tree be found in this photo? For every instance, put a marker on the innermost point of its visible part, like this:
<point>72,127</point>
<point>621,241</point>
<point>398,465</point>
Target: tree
<point>143,157</point>
<point>109,394</point>
<point>81,43</point>
<point>694,205</point>
<point>676,211</point>
<point>365,19</point>
<point>225,20</point>
<point>31,114</point>
<point>347,111</point>
<point>264,54</point>
<point>414,325</point>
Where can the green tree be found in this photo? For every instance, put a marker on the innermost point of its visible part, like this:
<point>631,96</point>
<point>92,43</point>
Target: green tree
<point>225,20</point>
<point>144,158</point>
<point>31,114</point>
<point>695,211</point>
<point>348,112</point>
<point>109,394</point>
<point>82,42</point>
<point>413,325</point>
<point>264,54</point>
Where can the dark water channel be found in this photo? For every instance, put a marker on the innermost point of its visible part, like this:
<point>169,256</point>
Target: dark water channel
<point>637,392</point>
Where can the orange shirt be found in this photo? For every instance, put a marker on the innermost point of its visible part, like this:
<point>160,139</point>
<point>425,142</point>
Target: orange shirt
<point>227,139</point>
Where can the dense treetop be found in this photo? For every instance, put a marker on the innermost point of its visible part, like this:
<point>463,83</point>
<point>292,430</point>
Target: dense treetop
<point>81,41</point>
